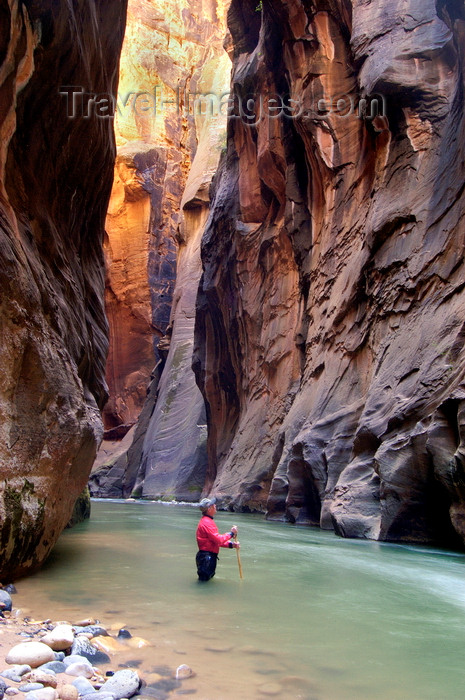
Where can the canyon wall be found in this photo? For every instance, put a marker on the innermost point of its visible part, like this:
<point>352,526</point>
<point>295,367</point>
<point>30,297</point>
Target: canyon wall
<point>56,168</point>
<point>170,133</point>
<point>169,53</point>
<point>330,315</point>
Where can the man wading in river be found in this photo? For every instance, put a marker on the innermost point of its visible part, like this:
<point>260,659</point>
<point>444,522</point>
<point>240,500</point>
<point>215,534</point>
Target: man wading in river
<point>209,540</point>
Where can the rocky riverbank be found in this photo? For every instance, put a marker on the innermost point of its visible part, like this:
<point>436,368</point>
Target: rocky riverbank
<point>79,660</point>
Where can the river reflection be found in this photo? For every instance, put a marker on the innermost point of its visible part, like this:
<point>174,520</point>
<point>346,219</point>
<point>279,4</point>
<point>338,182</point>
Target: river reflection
<point>315,617</point>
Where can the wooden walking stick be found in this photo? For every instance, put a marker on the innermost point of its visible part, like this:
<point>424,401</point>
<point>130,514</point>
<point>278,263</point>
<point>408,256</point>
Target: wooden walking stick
<point>238,558</point>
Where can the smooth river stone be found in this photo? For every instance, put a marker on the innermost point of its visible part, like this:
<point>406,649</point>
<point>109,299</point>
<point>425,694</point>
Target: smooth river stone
<point>53,666</point>
<point>138,643</point>
<point>93,630</point>
<point>60,638</point>
<point>109,645</point>
<point>183,671</point>
<point>68,692</point>
<point>40,676</point>
<point>123,684</point>
<point>16,673</point>
<point>32,653</point>
<point>83,686</point>
<point>82,647</point>
<point>80,669</point>
<point>42,694</point>
<point>5,601</point>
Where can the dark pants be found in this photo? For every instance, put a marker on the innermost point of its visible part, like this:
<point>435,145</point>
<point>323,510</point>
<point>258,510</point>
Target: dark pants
<point>206,565</point>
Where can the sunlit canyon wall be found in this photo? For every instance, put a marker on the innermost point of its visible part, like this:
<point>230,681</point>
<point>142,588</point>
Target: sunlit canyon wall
<point>330,318</point>
<point>329,315</point>
<point>56,171</point>
<point>169,142</point>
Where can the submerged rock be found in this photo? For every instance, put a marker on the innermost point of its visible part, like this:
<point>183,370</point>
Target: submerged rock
<point>82,647</point>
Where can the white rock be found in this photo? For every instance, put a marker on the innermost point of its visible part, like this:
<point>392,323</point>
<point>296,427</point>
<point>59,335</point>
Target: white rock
<point>183,671</point>
<point>80,669</point>
<point>42,694</point>
<point>32,653</point>
<point>60,638</point>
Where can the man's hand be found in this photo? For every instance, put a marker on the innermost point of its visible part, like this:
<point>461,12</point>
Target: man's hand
<point>236,544</point>
<point>234,530</point>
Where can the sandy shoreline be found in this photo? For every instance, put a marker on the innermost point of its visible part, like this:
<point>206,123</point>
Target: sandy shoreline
<point>137,653</point>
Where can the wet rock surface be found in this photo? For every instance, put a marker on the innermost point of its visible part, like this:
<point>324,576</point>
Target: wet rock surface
<point>330,312</point>
<point>167,156</point>
<point>53,198</point>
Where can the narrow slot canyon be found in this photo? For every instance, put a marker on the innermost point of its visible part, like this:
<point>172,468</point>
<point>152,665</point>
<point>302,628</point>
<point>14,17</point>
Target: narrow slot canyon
<point>231,263</point>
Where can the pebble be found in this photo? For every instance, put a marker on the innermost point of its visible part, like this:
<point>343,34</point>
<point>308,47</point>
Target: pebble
<point>83,647</point>
<point>74,659</point>
<point>60,638</point>
<point>94,630</point>
<point>42,694</point>
<point>10,588</point>
<point>12,691</point>
<point>5,601</point>
<point>39,676</point>
<point>32,653</point>
<point>53,667</point>
<point>99,696</point>
<point>84,623</point>
<point>15,673</point>
<point>3,687</point>
<point>83,686</point>
<point>108,644</point>
<point>138,643</point>
<point>183,671</point>
<point>27,687</point>
<point>68,692</point>
<point>124,634</point>
<point>123,684</point>
<point>80,668</point>
<point>11,676</point>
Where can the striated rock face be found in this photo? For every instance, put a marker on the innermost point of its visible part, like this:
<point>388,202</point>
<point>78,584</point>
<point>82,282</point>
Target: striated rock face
<point>330,318</point>
<point>53,198</point>
<point>169,52</point>
<point>170,143</point>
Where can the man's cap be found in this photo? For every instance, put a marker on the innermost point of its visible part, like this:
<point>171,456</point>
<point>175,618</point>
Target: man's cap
<point>205,504</point>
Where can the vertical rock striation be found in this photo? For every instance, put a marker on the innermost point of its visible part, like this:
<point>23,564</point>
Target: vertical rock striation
<point>174,71</point>
<point>330,316</point>
<point>168,47</point>
<point>53,199</point>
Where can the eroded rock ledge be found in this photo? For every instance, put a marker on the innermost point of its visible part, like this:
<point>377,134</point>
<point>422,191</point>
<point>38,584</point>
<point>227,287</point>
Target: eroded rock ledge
<point>330,319</point>
<point>55,180</point>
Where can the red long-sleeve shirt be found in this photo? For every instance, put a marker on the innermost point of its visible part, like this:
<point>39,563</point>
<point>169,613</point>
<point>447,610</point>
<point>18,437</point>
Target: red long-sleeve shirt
<point>208,537</point>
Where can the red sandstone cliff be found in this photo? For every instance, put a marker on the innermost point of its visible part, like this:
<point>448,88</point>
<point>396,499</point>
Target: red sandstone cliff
<point>55,181</point>
<point>330,317</point>
<point>166,55</point>
<point>169,143</point>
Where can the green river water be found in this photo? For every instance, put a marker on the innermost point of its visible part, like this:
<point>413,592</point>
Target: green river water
<point>315,617</point>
